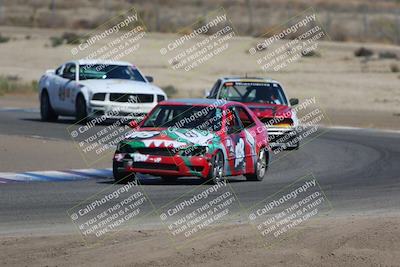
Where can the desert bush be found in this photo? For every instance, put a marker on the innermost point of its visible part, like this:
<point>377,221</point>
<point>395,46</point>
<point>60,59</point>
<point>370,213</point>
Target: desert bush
<point>4,39</point>
<point>339,33</point>
<point>56,41</point>
<point>68,38</point>
<point>11,84</point>
<point>170,90</point>
<point>72,38</point>
<point>394,68</point>
<point>387,55</point>
<point>363,52</point>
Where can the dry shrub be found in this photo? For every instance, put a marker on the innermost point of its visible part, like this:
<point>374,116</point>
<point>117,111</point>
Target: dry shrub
<point>363,52</point>
<point>387,55</point>
<point>394,68</point>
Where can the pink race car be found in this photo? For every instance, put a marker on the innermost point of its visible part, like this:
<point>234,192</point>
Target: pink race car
<point>207,138</point>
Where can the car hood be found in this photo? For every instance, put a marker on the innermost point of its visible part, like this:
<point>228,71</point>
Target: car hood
<point>176,138</point>
<point>120,86</point>
<point>262,110</point>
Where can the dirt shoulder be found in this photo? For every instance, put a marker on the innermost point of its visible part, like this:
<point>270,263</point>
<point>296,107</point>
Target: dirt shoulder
<point>333,241</point>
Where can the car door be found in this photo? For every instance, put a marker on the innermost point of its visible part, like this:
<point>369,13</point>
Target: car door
<point>54,86</point>
<point>234,142</point>
<point>66,87</point>
<point>250,132</point>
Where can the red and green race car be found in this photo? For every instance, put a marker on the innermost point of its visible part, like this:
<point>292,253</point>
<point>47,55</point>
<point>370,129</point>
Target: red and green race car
<point>206,138</point>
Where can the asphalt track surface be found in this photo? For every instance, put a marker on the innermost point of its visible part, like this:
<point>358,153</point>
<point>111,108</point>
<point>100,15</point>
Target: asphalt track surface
<point>359,171</point>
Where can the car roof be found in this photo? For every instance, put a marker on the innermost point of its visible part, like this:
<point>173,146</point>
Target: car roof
<point>198,102</point>
<point>102,61</point>
<point>248,79</point>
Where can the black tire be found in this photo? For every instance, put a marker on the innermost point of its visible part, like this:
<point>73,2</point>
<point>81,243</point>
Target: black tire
<point>47,112</point>
<point>296,147</point>
<point>261,166</point>
<point>80,109</point>
<point>293,147</point>
<point>169,179</point>
<point>122,177</point>
<point>216,173</point>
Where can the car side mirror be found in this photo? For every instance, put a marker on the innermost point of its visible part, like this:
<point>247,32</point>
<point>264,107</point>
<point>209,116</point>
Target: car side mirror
<point>206,94</point>
<point>150,79</point>
<point>294,101</point>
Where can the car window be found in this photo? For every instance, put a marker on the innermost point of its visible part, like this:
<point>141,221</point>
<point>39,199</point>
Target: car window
<point>69,71</point>
<point>246,119</point>
<point>188,117</point>
<point>233,124</point>
<point>254,92</point>
<point>103,71</point>
<point>214,89</point>
<point>59,70</point>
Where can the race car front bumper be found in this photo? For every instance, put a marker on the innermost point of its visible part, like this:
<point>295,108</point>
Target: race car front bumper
<point>114,110</point>
<point>282,137</point>
<point>165,165</point>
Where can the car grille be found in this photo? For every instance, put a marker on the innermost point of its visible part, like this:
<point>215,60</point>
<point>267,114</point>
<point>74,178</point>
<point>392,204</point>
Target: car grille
<point>157,151</point>
<point>133,98</point>
<point>154,151</point>
<point>155,166</point>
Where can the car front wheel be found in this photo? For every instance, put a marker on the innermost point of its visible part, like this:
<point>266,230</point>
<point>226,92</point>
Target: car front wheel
<point>122,176</point>
<point>46,111</point>
<point>80,109</point>
<point>216,173</point>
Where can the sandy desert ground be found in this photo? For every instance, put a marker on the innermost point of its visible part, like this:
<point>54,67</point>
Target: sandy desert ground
<point>367,240</point>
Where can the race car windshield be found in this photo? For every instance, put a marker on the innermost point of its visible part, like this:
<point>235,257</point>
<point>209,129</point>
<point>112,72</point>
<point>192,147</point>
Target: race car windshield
<point>188,117</point>
<point>100,71</point>
<point>270,93</point>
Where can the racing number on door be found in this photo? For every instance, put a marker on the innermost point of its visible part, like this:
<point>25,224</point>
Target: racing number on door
<point>64,92</point>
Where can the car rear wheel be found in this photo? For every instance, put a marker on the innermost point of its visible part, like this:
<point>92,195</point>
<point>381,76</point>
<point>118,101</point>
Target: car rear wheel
<point>122,176</point>
<point>216,173</point>
<point>80,109</point>
<point>46,111</point>
<point>260,168</point>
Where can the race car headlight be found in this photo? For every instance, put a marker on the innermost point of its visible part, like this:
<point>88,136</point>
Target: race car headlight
<point>194,151</point>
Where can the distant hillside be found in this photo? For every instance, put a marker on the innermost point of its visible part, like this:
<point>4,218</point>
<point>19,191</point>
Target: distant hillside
<point>344,20</point>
